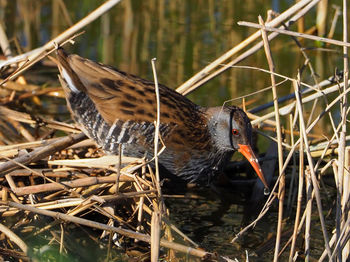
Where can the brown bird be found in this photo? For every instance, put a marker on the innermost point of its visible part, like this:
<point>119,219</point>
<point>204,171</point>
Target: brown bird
<point>113,107</point>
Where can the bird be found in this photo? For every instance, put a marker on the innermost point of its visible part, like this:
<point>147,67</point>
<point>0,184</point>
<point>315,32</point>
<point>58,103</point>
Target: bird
<point>113,107</point>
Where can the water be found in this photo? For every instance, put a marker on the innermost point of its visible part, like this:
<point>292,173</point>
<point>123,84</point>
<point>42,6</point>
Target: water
<point>184,36</point>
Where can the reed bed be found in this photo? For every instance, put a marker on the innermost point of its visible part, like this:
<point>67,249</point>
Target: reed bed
<point>59,173</point>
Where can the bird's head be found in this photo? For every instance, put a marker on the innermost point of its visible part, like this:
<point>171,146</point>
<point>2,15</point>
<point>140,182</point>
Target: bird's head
<point>231,130</point>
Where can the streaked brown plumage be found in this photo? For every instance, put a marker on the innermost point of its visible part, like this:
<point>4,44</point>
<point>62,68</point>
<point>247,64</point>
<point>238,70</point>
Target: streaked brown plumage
<point>114,107</point>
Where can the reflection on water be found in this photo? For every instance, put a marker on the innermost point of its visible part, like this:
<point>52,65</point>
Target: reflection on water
<point>184,36</point>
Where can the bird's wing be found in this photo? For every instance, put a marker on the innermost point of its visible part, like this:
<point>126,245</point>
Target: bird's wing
<point>121,96</point>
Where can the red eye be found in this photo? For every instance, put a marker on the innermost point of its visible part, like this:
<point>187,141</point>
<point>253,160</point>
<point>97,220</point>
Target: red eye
<point>235,132</point>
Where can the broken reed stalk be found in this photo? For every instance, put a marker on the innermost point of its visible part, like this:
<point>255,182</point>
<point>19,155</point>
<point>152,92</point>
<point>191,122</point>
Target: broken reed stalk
<point>281,189</point>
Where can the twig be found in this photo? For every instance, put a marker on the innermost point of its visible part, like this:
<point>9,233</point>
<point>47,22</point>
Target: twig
<point>14,238</point>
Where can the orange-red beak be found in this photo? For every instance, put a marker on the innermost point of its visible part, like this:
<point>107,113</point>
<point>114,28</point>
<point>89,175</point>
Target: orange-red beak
<point>247,151</point>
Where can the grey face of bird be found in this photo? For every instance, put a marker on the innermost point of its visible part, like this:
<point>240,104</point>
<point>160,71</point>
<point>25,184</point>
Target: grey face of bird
<point>230,127</point>
<point>232,131</point>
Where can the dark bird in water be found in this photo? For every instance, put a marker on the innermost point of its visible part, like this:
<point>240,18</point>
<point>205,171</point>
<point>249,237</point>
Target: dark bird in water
<point>113,107</point>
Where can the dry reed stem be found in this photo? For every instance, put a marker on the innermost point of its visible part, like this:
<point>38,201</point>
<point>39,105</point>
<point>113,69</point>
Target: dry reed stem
<point>345,200</point>
<point>156,222</point>
<point>4,42</point>
<point>299,199</point>
<point>308,209</point>
<point>314,77</point>
<point>41,153</point>
<point>82,182</point>
<point>14,238</point>
<point>141,203</point>
<point>157,124</point>
<point>281,190</point>
<point>107,162</point>
<point>341,187</point>
<point>311,164</point>
<point>291,193</point>
<point>9,178</point>
<point>288,108</point>
<point>62,238</point>
<point>343,241</point>
<point>7,113</point>
<point>268,201</point>
<point>119,230</point>
<point>158,212</point>
<point>119,165</point>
